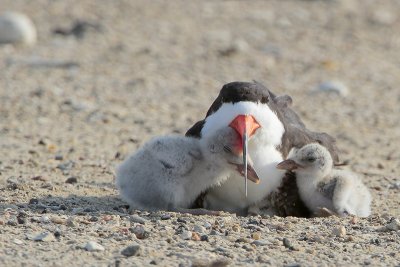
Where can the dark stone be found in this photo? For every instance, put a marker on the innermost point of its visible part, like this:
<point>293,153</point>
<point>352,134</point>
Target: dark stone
<point>204,238</point>
<point>57,233</point>
<point>21,220</point>
<point>71,180</point>
<point>130,251</point>
<point>12,223</point>
<point>166,216</point>
<point>78,29</point>
<point>33,201</point>
<point>180,220</point>
<point>287,243</point>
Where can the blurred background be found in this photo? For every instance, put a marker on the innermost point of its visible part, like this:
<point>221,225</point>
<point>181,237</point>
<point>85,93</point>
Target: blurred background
<point>102,77</point>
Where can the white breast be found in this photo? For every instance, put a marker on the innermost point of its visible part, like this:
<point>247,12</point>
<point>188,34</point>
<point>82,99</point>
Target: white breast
<point>230,195</point>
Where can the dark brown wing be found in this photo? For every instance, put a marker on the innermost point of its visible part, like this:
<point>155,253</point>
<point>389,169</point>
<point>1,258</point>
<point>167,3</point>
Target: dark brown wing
<point>286,200</point>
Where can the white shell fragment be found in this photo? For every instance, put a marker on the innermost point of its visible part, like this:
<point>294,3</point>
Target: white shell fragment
<point>16,28</point>
<point>334,87</point>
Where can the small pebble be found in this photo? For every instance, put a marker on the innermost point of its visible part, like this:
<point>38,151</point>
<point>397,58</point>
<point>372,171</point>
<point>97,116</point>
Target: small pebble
<point>137,219</point>
<point>260,243</point>
<point>186,235</point>
<point>287,243</point>
<point>93,246</point>
<point>310,251</point>
<point>59,157</point>
<point>213,232</point>
<point>243,240</point>
<point>139,232</point>
<point>12,222</point>
<point>256,235</point>
<point>44,237</point>
<point>234,47</point>
<point>39,178</point>
<point>21,220</point>
<point>236,228</point>
<point>383,17</point>
<point>181,220</point>
<point>196,237</point>
<point>45,219</point>
<point>248,248</point>
<point>78,211</point>
<point>71,180</point>
<point>17,241</point>
<point>354,220</point>
<point>132,250</point>
<point>66,166</point>
<point>395,185</point>
<point>394,225</point>
<point>334,87</point>
<point>204,238</point>
<point>94,219</point>
<point>57,233</point>
<point>207,225</point>
<point>339,231</point>
<point>33,201</point>
<point>199,229</point>
<point>57,220</point>
<point>71,222</point>
<point>16,28</point>
<point>166,216</point>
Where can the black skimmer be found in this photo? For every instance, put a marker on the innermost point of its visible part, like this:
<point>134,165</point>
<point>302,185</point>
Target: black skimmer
<point>321,186</point>
<point>272,129</point>
<point>168,173</point>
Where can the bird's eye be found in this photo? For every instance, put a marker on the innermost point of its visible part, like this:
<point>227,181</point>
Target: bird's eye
<point>311,159</point>
<point>227,149</point>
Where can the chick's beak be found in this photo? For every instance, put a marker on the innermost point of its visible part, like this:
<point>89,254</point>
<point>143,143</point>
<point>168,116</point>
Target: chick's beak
<point>251,173</point>
<point>288,165</point>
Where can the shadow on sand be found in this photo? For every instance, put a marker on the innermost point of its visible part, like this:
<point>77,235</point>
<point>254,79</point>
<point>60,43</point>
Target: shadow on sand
<point>75,205</point>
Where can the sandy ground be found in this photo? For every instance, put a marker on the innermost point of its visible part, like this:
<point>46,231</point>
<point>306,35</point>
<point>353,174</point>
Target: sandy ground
<point>75,107</point>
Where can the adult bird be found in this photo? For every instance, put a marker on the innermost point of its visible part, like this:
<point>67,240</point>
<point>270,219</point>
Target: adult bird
<point>272,129</point>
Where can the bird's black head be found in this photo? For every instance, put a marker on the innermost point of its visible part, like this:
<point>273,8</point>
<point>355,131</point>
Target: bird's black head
<point>241,91</point>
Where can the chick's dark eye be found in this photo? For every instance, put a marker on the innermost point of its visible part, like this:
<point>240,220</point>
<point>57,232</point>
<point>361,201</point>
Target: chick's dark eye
<point>227,149</point>
<point>310,159</point>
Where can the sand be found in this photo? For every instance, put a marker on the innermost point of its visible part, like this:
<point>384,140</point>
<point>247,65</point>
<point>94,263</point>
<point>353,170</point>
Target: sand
<point>72,107</point>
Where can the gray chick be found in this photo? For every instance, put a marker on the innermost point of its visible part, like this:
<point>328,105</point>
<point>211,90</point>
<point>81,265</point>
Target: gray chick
<point>170,172</point>
<point>321,186</point>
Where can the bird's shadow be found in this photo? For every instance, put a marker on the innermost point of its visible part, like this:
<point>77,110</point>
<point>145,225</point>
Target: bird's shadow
<point>77,205</point>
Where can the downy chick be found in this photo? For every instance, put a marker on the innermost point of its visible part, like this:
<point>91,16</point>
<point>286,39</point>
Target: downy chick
<point>321,186</point>
<point>170,172</point>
